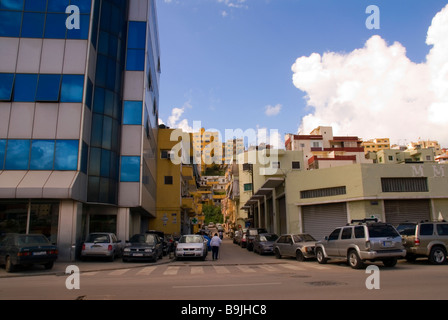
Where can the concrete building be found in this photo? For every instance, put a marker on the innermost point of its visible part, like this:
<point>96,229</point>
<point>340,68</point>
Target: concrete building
<point>78,118</point>
<point>375,145</point>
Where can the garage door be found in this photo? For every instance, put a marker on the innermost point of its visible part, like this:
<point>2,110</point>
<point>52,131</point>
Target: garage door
<point>320,220</point>
<point>398,211</point>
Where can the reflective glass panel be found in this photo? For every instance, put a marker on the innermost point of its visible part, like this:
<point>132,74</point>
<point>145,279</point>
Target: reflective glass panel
<point>55,25</point>
<point>6,81</point>
<point>33,25</point>
<point>25,87</point>
<point>130,169</point>
<point>11,4</point>
<point>83,31</point>
<point>83,5</point>
<point>72,88</point>
<point>2,153</point>
<point>66,156</point>
<point>17,155</point>
<point>42,155</point>
<point>135,60</point>
<point>137,35</point>
<point>48,87</point>
<point>57,5</point>
<point>36,5</point>
<point>132,112</point>
<point>10,23</point>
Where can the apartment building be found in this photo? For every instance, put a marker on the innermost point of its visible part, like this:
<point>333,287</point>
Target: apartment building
<point>78,118</point>
<point>375,145</point>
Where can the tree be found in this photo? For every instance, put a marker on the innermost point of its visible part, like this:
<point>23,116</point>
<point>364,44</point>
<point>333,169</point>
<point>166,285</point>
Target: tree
<point>212,214</point>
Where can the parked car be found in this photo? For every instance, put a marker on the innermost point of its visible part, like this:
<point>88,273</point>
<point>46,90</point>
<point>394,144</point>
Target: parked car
<point>191,246</point>
<point>299,246</point>
<point>243,241</point>
<point>102,245</point>
<point>237,237</point>
<point>364,240</point>
<point>25,250</point>
<point>426,239</point>
<point>264,243</point>
<point>161,235</point>
<point>146,246</point>
<point>211,224</point>
<point>251,233</point>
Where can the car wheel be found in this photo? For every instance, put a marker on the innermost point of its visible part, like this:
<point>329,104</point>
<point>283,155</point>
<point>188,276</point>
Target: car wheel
<point>389,263</point>
<point>320,256</point>
<point>437,255</point>
<point>353,260</point>
<point>299,256</point>
<point>277,253</point>
<point>48,265</point>
<point>9,267</point>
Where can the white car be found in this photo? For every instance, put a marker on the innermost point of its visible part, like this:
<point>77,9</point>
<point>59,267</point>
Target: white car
<point>102,244</point>
<point>191,246</point>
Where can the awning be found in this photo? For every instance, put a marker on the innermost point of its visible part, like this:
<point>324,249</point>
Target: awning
<point>42,184</point>
<point>266,189</point>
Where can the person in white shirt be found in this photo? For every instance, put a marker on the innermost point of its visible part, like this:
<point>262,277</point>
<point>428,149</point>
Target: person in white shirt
<point>215,243</point>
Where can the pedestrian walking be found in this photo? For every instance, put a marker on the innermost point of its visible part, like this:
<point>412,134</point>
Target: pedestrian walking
<point>215,243</point>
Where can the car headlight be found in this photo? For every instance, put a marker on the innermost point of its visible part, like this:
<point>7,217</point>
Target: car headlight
<point>148,250</point>
<point>127,250</point>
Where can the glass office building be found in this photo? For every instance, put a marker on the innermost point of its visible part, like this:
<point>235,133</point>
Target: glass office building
<point>78,117</point>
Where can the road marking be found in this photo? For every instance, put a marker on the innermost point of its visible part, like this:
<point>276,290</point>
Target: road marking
<point>171,271</point>
<point>89,274</point>
<point>317,266</point>
<point>268,268</point>
<point>292,267</point>
<point>229,285</point>
<point>147,271</point>
<point>246,269</point>
<point>197,270</point>
<point>118,272</point>
<point>221,269</point>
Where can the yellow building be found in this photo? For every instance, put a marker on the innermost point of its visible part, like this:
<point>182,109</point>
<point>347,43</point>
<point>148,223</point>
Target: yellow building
<point>176,205</point>
<point>375,145</point>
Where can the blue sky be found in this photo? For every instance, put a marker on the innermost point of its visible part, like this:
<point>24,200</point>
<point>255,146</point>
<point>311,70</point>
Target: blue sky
<point>228,63</point>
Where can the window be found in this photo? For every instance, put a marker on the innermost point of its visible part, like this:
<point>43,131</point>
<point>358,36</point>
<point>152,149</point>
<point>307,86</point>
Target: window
<point>57,5</point>
<point>324,192</point>
<point>25,87</point>
<point>296,165</point>
<point>404,184</point>
<point>248,187</point>
<point>42,154</point>
<point>335,234</point>
<point>135,58</point>
<point>36,5</point>
<point>33,25</point>
<point>132,112</point>
<point>72,88</point>
<point>83,31</point>
<point>2,152</point>
<point>276,165</point>
<point>442,229</point>
<point>130,169</point>
<point>10,23</point>
<point>17,155</point>
<point>48,87</point>
<point>55,27</point>
<point>168,179</point>
<point>359,232</point>
<point>66,155</point>
<point>11,4</point>
<point>346,233</point>
<point>426,229</point>
<point>6,83</point>
<point>165,154</point>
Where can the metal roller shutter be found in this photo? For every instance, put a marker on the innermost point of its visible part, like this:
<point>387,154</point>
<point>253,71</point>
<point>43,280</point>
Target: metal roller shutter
<point>320,220</point>
<point>398,211</point>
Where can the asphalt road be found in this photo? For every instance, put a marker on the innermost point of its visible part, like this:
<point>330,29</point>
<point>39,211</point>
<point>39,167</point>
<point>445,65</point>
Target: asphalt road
<point>237,275</point>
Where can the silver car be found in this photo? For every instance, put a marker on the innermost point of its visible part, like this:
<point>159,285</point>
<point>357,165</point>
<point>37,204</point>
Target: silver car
<point>102,244</point>
<point>191,246</point>
<point>364,240</point>
<point>299,246</point>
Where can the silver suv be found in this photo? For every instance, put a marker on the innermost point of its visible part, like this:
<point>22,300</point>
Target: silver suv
<point>426,239</point>
<point>363,240</point>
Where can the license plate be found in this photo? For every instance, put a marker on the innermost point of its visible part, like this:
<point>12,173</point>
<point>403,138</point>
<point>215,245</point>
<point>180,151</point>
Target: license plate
<point>39,253</point>
<point>387,244</point>
<point>137,255</point>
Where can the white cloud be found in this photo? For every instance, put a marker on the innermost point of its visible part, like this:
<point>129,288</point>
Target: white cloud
<point>234,3</point>
<point>174,120</point>
<point>376,91</point>
<point>272,110</point>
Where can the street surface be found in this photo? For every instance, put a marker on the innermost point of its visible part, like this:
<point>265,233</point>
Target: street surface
<point>237,275</point>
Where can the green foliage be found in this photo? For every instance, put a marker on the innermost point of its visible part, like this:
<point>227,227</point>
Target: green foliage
<point>212,214</point>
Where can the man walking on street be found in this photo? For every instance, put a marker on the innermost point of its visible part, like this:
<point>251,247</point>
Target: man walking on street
<point>215,243</point>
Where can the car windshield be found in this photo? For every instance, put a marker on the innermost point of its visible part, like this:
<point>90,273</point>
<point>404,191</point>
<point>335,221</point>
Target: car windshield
<point>269,237</point>
<point>191,239</point>
<point>382,230</point>
<point>406,229</point>
<point>303,238</point>
<point>143,238</point>
<point>98,238</point>
<point>32,240</point>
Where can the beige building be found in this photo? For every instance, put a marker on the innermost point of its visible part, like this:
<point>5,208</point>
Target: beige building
<point>375,145</point>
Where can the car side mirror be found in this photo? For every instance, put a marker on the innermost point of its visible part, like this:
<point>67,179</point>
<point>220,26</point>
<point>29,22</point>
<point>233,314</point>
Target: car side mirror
<point>326,238</point>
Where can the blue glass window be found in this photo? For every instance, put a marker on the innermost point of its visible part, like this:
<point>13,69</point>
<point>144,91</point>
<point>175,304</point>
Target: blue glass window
<point>17,155</point>
<point>132,112</point>
<point>10,23</point>
<point>6,81</point>
<point>130,169</point>
<point>57,5</point>
<point>55,27</point>
<point>48,87</point>
<point>83,31</point>
<point>33,25</point>
<point>135,60</point>
<point>84,157</point>
<point>137,35</point>
<point>11,4</point>
<point>2,153</point>
<point>66,155</point>
<point>83,5</point>
<point>25,87</point>
<point>36,5</point>
<point>72,88</point>
<point>42,155</point>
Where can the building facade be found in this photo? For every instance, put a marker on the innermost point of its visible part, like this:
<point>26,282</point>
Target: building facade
<point>78,118</point>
